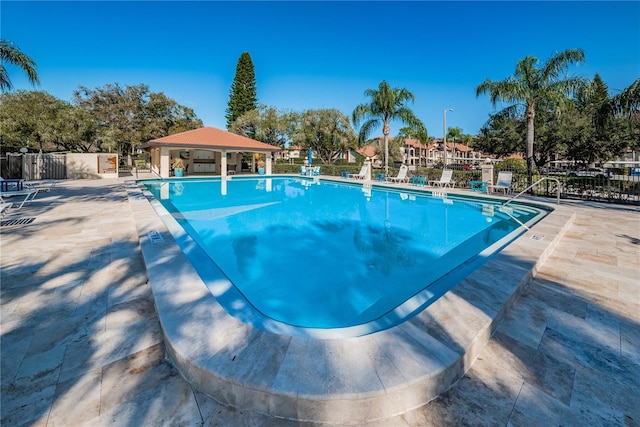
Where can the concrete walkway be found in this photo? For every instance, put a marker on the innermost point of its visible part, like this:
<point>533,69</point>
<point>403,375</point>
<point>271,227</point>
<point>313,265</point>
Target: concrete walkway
<point>81,342</point>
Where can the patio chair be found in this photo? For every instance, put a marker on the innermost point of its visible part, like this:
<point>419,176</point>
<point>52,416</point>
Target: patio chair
<point>503,182</point>
<point>42,185</point>
<point>316,171</point>
<point>4,206</point>
<point>28,194</point>
<point>21,184</point>
<point>359,175</point>
<point>445,180</point>
<point>402,175</point>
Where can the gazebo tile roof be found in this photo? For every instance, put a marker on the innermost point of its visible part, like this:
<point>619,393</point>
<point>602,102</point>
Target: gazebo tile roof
<point>210,137</point>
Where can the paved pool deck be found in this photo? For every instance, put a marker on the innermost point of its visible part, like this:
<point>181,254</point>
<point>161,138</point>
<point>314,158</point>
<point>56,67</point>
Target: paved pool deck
<point>81,342</point>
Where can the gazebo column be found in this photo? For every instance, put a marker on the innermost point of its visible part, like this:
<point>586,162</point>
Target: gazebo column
<point>223,164</point>
<point>164,162</point>
<point>267,169</point>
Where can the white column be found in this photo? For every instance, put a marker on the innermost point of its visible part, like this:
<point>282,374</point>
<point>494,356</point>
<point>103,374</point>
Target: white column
<point>223,164</point>
<point>267,166</point>
<point>164,162</point>
<point>367,174</point>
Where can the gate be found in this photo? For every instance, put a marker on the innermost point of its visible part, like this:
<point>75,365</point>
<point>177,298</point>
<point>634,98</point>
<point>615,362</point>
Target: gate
<point>44,166</point>
<point>11,166</point>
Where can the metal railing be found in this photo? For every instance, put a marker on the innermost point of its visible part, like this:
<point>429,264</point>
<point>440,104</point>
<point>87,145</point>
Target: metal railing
<point>546,178</point>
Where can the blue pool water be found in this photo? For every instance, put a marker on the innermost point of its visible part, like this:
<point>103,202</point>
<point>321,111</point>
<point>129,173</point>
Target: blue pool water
<point>326,254</point>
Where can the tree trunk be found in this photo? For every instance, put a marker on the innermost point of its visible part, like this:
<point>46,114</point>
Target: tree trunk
<point>530,115</point>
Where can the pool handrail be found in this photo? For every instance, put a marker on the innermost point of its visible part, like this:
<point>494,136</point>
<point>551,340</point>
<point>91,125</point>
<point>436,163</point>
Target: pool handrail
<point>534,184</point>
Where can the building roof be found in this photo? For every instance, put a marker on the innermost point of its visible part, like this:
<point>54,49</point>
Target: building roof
<point>213,138</point>
<point>367,151</point>
<point>460,147</point>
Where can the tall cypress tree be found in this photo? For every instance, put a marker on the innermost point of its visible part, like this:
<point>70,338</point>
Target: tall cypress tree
<point>242,96</point>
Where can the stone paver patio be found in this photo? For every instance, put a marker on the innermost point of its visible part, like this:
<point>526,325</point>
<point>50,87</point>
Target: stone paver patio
<point>81,343</point>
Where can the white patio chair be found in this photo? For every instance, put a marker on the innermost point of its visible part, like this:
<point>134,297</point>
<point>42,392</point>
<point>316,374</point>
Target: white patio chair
<point>444,181</point>
<point>503,182</point>
<point>359,175</point>
<point>402,175</point>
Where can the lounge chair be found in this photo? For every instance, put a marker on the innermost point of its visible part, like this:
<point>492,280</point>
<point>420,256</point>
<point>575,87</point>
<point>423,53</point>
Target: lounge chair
<point>28,195</point>
<point>4,206</point>
<point>503,182</point>
<point>445,180</point>
<point>43,185</point>
<point>21,184</point>
<point>359,175</point>
<point>402,175</point>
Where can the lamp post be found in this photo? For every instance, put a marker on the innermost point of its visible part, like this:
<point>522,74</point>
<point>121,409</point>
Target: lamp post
<point>444,132</point>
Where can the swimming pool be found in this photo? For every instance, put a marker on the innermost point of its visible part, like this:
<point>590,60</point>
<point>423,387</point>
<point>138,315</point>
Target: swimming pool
<point>295,254</point>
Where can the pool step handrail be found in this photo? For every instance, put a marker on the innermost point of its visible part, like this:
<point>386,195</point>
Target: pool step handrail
<point>157,174</point>
<point>502,209</point>
<point>533,185</point>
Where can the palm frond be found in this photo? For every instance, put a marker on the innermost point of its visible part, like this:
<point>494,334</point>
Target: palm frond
<point>555,67</point>
<point>11,54</point>
<point>367,128</point>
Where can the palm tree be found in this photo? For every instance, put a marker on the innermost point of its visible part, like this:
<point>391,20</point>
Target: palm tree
<point>11,54</point>
<point>531,86</point>
<point>627,104</point>
<point>386,104</point>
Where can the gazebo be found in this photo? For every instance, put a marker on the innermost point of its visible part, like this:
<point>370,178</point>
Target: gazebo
<point>207,151</point>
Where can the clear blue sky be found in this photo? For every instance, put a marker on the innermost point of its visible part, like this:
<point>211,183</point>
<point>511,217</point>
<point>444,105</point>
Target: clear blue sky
<point>310,55</point>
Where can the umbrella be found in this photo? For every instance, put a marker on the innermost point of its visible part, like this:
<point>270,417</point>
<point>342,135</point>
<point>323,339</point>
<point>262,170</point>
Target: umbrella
<point>310,155</point>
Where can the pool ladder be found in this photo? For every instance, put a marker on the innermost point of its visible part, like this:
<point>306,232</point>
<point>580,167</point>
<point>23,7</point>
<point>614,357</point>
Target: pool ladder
<point>545,178</point>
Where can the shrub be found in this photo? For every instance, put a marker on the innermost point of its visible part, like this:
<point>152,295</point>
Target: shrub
<point>514,164</point>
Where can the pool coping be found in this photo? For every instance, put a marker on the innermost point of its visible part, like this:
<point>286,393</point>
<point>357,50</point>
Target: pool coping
<point>347,380</point>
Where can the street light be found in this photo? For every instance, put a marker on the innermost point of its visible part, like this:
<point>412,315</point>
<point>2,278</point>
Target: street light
<point>444,132</point>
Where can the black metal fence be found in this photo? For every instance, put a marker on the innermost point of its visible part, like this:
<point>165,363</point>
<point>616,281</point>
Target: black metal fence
<point>620,187</point>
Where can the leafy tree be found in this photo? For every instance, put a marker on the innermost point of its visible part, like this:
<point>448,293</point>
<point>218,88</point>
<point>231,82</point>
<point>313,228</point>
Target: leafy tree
<point>31,119</point>
<point>593,99</point>
<point>551,134</point>
<point>626,107</point>
<point>11,54</point>
<point>395,149</point>
<point>164,116</point>
<point>266,124</point>
<point>386,104</point>
<point>516,165</point>
<point>127,116</point>
<point>501,135</point>
<point>531,86</point>
<point>80,130</point>
<point>118,112</point>
<point>242,96</point>
<point>327,131</point>
<point>595,134</point>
